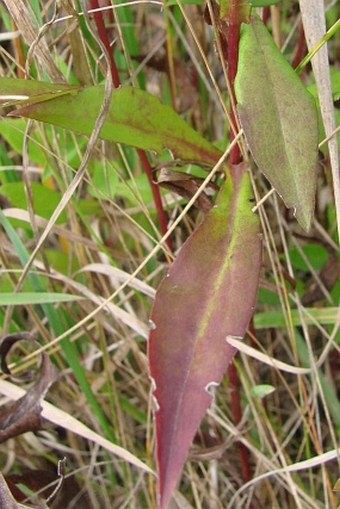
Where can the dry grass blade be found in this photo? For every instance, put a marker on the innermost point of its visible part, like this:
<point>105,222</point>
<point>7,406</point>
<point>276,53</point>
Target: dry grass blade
<point>266,359</point>
<point>314,22</point>
<point>68,422</point>
<point>25,21</point>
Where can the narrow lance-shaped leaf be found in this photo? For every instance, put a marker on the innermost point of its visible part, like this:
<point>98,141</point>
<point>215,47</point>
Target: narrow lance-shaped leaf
<point>208,294</point>
<point>279,119</point>
<point>135,117</point>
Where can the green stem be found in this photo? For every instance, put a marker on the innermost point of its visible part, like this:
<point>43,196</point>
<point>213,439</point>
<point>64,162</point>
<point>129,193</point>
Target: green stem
<point>317,46</point>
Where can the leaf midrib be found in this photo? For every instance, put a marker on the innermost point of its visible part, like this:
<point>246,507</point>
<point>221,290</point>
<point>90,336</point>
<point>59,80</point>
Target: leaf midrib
<point>230,241</point>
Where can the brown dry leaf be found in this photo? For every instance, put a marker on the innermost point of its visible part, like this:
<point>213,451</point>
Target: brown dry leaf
<point>186,186</point>
<point>6,498</point>
<point>6,345</point>
<point>67,421</point>
<point>185,76</point>
<point>187,85</point>
<point>24,414</point>
<point>44,482</point>
<point>80,62</point>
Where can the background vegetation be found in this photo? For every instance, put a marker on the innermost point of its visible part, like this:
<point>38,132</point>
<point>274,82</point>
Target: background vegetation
<point>102,261</point>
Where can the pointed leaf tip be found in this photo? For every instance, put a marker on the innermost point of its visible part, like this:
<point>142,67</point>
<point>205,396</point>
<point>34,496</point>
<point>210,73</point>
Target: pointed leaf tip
<point>135,117</point>
<point>209,294</point>
<point>279,118</point>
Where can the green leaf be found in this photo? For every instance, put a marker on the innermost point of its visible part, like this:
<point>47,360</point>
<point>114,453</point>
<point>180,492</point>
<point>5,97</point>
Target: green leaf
<point>279,119</point>
<point>169,3</point>
<point>208,294</point>
<point>132,189</point>
<point>275,319</point>
<point>331,398</point>
<point>44,200</point>
<point>104,182</point>
<point>263,3</point>
<point>316,254</point>
<point>55,320</point>
<point>13,91</point>
<point>12,130</point>
<point>24,299</point>
<point>261,391</point>
<point>135,117</point>
<point>335,84</point>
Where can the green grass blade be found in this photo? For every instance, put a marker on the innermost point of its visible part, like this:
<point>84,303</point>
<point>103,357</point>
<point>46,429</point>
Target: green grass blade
<point>56,321</point>
<point>273,319</point>
<point>30,298</point>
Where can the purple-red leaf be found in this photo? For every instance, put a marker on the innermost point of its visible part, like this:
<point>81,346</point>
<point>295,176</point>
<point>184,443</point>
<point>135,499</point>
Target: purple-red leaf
<point>7,500</point>
<point>208,294</point>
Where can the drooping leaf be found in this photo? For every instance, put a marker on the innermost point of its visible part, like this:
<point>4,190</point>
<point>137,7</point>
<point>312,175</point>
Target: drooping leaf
<point>135,118</point>
<point>279,119</point>
<point>208,294</point>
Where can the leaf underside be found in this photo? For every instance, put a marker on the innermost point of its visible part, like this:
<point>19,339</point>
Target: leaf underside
<point>279,119</point>
<point>208,294</point>
<point>135,117</point>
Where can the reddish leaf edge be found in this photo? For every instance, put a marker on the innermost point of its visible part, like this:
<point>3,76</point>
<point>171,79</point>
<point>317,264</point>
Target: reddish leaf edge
<point>195,148</point>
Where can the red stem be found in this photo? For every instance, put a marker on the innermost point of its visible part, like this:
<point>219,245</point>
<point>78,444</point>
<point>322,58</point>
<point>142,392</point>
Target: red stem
<point>266,15</point>
<point>234,18</point>
<point>98,18</point>
<point>236,409</point>
<point>233,37</point>
<point>301,48</point>
<point>155,193</point>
